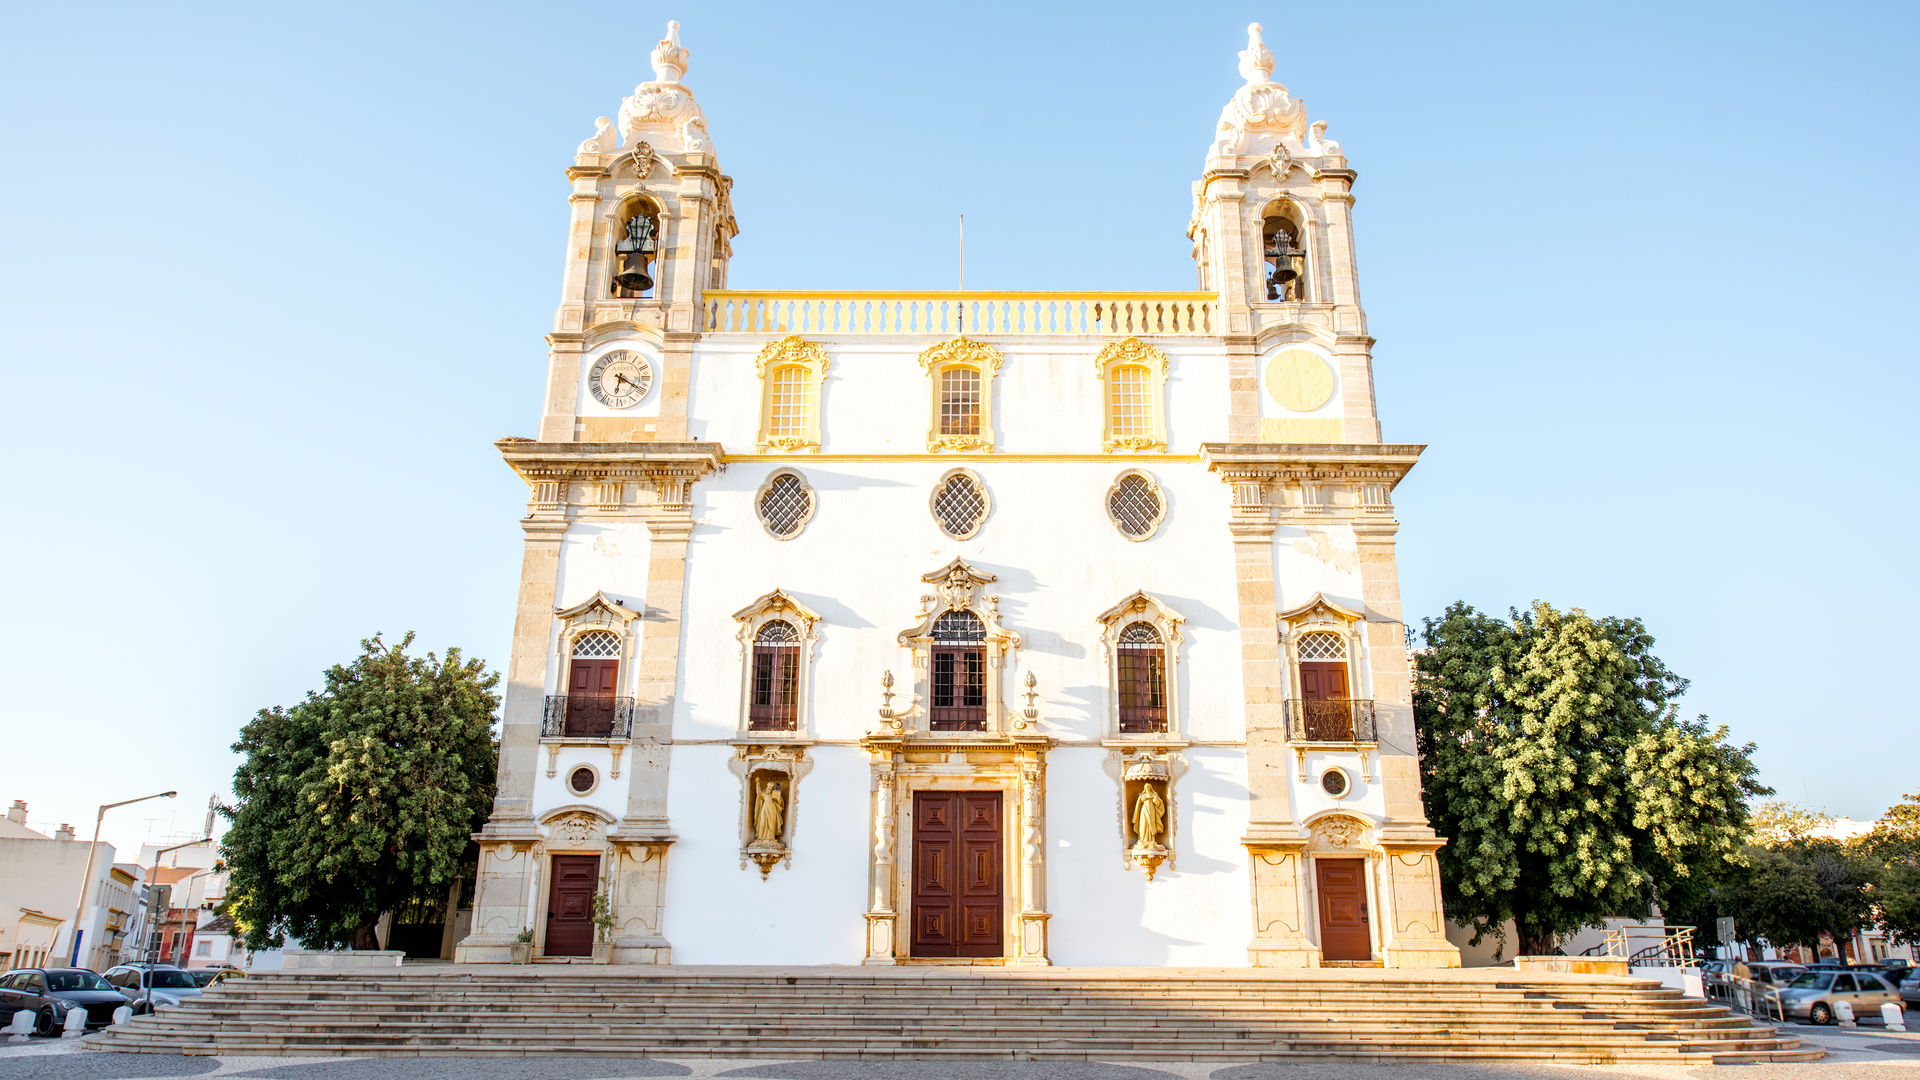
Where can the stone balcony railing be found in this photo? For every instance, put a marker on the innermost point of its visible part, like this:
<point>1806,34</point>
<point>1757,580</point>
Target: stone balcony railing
<point>1041,314</point>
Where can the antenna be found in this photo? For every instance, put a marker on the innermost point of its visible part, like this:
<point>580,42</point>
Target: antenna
<point>963,253</point>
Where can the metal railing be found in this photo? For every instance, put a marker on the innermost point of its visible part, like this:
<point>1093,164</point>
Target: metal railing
<point>1044,314</point>
<point>1331,720</point>
<point>587,716</point>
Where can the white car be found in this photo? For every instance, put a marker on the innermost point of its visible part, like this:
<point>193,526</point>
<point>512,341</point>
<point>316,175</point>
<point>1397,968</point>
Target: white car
<point>152,985</point>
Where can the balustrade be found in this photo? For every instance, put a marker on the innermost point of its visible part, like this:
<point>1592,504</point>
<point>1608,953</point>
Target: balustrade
<point>1043,314</point>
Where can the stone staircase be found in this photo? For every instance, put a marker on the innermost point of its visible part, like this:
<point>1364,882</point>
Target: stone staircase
<point>1047,1014</point>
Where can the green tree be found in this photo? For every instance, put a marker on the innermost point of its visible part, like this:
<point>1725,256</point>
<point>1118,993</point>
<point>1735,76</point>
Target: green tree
<point>360,797</point>
<point>1554,759</point>
<point>1895,847</point>
<point>1793,891</point>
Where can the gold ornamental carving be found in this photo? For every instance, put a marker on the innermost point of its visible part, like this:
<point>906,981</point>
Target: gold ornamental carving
<point>793,349</point>
<point>1130,351</point>
<point>961,350</point>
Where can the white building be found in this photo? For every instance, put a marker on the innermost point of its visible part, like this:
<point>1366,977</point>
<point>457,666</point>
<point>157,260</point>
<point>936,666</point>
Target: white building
<point>1026,628</point>
<point>40,880</point>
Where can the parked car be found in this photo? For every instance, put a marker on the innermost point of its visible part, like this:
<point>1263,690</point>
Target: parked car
<point>207,976</point>
<point>1772,973</point>
<point>1813,995</point>
<point>53,993</point>
<point>156,984</point>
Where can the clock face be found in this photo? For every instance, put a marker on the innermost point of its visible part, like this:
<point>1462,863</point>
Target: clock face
<point>620,380</point>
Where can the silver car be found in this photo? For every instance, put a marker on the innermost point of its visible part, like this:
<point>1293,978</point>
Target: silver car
<point>152,985</point>
<point>1813,994</point>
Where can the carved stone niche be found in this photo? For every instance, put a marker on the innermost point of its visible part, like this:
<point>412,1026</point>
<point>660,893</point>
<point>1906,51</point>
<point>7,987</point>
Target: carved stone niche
<point>1145,776</point>
<point>770,775</point>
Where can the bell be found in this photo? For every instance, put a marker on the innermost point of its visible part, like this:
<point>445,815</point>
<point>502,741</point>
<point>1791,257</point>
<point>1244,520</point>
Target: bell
<point>632,276</point>
<point>1281,253</point>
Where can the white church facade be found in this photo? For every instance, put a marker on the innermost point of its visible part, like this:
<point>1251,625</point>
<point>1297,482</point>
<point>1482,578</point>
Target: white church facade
<point>963,627</point>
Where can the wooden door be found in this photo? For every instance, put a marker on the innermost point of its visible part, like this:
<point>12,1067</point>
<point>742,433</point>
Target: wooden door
<point>1342,884</point>
<point>590,698</point>
<point>958,892</point>
<point>1323,694</point>
<point>575,879</point>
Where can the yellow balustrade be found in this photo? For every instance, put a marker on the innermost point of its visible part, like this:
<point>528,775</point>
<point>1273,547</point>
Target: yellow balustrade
<point>1045,314</point>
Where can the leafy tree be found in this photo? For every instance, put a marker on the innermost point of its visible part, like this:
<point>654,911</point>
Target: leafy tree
<point>1895,847</point>
<point>1792,892</point>
<point>1554,759</point>
<point>360,797</point>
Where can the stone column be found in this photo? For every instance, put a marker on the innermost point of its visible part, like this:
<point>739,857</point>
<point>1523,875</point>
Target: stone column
<point>1273,841</point>
<point>1032,949</point>
<point>644,833</point>
<point>882,917</point>
<point>500,896</point>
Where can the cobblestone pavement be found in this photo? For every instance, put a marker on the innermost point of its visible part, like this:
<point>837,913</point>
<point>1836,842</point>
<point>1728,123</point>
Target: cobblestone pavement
<point>1866,1054</point>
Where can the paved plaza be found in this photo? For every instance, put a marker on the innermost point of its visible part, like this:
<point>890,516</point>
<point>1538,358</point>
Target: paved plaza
<point>1868,1053</point>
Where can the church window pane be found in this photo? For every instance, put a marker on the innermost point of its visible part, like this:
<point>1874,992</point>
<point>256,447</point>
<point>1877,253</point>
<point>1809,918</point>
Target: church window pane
<point>597,643</point>
<point>775,701</point>
<point>1130,401</point>
<point>786,504</point>
<point>1143,679</point>
<point>960,401</point>
<point>959,673</point>
<point>790,386</point>
<point>1136,506</point>
<point>960,505</point>
<point>1322,645</point>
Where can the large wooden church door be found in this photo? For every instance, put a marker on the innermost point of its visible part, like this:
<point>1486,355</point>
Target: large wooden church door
<point>1342,884</point>
<point>570,905</point>
<point>958,892</point>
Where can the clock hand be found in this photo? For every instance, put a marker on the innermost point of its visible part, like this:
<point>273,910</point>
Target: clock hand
<point>619,378</point>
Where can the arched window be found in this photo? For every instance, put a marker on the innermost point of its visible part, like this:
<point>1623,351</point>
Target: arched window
<point>593,684</point>
<point>1284,257</point>
<point>792,371</point>
<point>959,684</point>
<point>1143,679</point>
<point>775,701</point>
<point>790,389</point>
<point>634,249</point>
<point>1135,377</point>
<point>1130,394</point>
<point>960,401</point>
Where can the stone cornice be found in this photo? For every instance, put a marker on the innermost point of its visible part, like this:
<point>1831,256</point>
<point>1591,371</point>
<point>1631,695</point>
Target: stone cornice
<point>669,468</point>
<point>1307,480</point>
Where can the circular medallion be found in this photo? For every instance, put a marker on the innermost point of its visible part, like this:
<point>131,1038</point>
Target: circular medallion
<point>620,380</point>
<point>1301,381</point>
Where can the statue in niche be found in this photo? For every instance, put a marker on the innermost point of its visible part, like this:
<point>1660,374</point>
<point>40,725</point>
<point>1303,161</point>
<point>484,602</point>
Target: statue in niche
<point>766,812</point>
<point>1149,818</point>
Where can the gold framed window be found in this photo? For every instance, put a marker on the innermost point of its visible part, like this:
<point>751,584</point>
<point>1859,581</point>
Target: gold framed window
<point>961,374</point>
<point>1135,378</point>
<point>792,373</point>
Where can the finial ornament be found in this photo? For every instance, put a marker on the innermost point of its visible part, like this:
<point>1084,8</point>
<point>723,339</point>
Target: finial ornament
<point>1256,60</point>
<point>670,60</point>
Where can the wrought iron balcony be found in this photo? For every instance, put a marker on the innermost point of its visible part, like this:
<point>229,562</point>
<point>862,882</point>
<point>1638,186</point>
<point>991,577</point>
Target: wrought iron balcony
<point>587,716</point>
<point>1330,720</point>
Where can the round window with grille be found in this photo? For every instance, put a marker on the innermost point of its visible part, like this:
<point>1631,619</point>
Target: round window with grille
<point>582,780</point>
<point>1334,782</point>
<point>960,504</point>
<point>597,643</point>
<point>1137,505</point>
<point>785,504</point>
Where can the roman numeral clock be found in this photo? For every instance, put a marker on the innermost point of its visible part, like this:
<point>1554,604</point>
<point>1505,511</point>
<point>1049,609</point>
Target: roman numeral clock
<point>620,380</point>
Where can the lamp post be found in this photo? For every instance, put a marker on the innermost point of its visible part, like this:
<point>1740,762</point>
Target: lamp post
<point>146,973</point>
<point>86,877</point>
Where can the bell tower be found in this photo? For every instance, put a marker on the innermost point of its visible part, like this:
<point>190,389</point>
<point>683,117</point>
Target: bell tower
<point>652,229</point>
<point>1272,233</point>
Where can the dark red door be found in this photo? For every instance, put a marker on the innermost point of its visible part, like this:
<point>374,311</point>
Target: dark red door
<point>590,698</point>
<point>1323,693</point>
<point>958,893</point>
<point>570,905</point>
<point>1342,884</point>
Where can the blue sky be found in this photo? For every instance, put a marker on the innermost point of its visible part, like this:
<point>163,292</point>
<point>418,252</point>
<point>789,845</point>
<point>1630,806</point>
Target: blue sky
<point>273,279</point>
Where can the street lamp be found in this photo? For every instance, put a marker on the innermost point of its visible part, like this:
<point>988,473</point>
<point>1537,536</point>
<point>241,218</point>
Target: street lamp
<point>86,878</point>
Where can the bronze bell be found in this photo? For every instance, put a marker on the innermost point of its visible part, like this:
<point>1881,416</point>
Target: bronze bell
<point>1281,253</point>
<point>634,252</point>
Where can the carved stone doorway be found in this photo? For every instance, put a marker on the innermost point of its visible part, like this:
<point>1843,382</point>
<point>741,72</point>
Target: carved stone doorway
<point>959,893</point>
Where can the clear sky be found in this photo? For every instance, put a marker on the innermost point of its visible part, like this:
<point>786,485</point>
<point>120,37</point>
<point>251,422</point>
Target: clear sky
<point>272,279</point>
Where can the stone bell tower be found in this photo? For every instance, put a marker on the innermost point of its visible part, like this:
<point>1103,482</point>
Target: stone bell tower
<point>652,229</point>
<point>1272,233</point>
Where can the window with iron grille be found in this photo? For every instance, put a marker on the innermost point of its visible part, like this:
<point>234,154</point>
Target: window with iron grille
<point>959,673</point>
<point>1130,401</point>
<point>1135,505</point>
<point>1142,659</point>
<point>786,504</point>
<point>1322,645</point>
<point>775,703</point>
<point>960,401</point>
<point>790,389</point>
<point>960,505</point>
<point>597,643</point>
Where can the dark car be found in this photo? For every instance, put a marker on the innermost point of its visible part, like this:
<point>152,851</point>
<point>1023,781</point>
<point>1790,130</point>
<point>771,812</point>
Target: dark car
<point>52,993</point>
